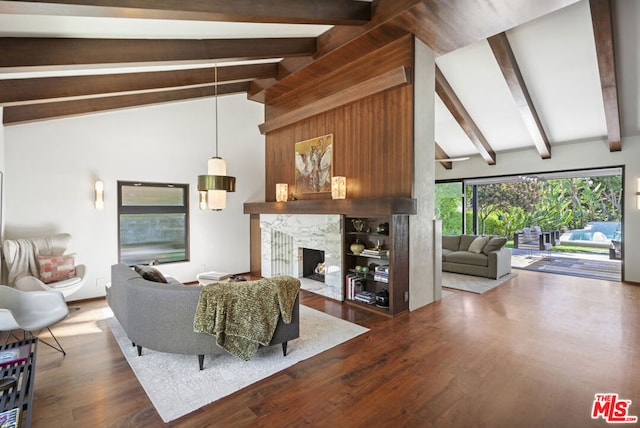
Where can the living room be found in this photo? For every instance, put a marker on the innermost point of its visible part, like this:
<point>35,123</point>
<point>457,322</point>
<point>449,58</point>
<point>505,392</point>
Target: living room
<point>49,169</point>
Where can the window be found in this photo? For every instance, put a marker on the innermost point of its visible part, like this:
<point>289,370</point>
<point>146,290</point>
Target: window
<point>153,222</point>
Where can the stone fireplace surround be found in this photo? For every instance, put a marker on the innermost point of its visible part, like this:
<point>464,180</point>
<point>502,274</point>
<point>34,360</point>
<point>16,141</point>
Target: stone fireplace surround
<point>304,223</point>
<point>283,237</point>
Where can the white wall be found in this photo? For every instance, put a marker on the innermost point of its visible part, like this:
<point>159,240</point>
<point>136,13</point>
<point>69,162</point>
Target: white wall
<point>51,166</point>
<point>581,155</point>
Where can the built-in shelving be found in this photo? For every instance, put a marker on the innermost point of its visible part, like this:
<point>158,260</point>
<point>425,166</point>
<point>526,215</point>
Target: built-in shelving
<point>396,261</point>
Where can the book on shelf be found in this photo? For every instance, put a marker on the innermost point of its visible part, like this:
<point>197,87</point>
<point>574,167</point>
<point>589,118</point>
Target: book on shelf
<point>366,297</point>
<point>14,355</point>
<point>381,274</point>
<point>373,252</point>
<point>353,284</point>
<point>214,275</point>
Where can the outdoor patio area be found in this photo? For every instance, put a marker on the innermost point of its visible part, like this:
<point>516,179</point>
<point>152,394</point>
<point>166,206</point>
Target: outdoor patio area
<point>588,265</point>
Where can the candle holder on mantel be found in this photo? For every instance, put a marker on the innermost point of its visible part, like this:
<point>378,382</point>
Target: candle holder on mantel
<point>282,192</point>
<point>338,187</point>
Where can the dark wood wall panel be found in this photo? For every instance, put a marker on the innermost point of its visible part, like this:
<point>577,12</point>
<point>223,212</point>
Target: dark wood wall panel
<point>373,137</point>
<point>373,147</point>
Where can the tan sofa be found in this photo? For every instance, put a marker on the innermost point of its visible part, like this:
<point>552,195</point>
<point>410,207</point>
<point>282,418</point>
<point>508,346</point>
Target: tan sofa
<point>491,260</point>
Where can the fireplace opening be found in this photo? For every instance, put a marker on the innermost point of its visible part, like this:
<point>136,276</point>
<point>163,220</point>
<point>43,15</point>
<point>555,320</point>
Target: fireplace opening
<point>313,264</point>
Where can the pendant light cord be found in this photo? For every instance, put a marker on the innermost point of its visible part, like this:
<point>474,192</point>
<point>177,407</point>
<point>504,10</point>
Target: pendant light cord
<point>215,91</point>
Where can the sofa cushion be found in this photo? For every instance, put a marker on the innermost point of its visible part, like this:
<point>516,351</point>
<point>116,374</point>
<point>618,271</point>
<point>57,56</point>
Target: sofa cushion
<point>468,258</point>
<point>451,242</point>
<point>445,253</point>
<point>494,244</point>
<point>478,244</point>
<point>465,241</point>
<point>150,273</point>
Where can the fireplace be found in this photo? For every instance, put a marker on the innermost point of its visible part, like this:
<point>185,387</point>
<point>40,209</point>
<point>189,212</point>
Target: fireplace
<point>313,266</point>
<point>286,236</point>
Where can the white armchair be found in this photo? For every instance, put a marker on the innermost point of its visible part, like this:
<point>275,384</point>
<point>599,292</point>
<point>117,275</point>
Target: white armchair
<point>21,257</point>
<point>31,312</point>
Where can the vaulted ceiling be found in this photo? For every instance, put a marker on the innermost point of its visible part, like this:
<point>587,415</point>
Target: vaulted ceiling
<point>511,74</point>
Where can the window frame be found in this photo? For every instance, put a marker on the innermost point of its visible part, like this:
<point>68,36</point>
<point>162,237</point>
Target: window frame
<point>156,209</point>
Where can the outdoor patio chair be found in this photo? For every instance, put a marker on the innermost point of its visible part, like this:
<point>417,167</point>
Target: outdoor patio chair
<point>532,239</point>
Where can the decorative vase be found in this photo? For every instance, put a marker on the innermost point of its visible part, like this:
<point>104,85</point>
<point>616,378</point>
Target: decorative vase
<point>357,247</point>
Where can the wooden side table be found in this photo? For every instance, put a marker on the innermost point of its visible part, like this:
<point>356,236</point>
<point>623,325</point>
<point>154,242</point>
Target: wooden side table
<point>20,395</point>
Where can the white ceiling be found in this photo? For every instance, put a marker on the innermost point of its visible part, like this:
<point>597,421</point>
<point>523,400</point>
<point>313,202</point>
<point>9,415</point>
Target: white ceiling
<point>557,58</point>
<point>556,55</point>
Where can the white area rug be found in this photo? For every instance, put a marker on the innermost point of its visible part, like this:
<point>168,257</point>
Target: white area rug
<point>474,284</point>
<point>176,386</point>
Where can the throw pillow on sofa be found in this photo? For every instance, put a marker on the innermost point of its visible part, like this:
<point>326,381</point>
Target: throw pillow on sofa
<point>150,274</point>
<point>478,244</point>
<point>494,244</point>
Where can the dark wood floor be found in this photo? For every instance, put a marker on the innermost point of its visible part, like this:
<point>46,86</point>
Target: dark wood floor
<point>530,353</point>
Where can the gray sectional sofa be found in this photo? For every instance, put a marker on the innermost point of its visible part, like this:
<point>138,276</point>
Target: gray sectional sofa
<point>160,316</point>
<point>491,259</point>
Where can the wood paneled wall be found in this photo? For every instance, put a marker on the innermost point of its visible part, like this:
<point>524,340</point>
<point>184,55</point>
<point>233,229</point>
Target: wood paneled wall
<point>373,137</point>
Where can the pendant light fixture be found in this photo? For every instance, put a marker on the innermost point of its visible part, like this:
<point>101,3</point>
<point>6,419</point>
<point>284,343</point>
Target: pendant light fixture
<point>214,186</point>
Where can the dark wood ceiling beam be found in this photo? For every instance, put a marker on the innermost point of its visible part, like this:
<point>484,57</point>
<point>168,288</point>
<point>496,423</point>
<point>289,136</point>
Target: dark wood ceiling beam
<point>442,25</point>
<point>601,18</point>
<point>329,12</point>
<point>370,42</point>
<point>445,26</point>
<point>441,154</point>
<point>509,66</point>
<point>26,90</point>
<point>336,46</point>
<point>33,52</point>
<point>51,110</point>
<point>454,105</point>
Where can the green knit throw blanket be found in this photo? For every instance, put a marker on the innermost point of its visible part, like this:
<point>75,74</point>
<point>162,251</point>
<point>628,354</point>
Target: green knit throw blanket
<point>244,315</point>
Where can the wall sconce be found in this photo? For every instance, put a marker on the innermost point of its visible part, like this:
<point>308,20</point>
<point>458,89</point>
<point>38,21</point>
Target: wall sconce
<point>338,187</point>
<point>99,195</point>
<point>638,193</point>
<point>282,192</point>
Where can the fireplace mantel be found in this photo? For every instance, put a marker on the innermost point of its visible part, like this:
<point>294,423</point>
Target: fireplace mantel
<point>353,207</point>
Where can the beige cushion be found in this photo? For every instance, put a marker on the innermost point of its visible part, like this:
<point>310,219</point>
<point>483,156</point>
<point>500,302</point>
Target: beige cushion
<point>478,244</point>
<point>494,244</point>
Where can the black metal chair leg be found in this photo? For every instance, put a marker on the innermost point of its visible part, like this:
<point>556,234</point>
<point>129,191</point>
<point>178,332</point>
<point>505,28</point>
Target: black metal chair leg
<point>139,350</point>
<point>201,361</point>
<point>59,348</point>
<point>9,335</point>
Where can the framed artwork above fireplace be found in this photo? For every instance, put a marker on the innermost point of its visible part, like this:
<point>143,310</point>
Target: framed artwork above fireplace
<point>314,165</point>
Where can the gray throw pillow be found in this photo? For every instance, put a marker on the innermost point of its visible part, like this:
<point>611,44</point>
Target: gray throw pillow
<point>494,244</point>
<point>150,274</point>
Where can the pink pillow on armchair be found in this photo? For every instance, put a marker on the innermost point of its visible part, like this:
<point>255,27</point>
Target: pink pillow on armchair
<point>56,268</point>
